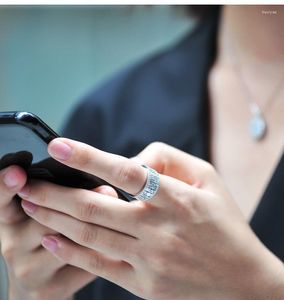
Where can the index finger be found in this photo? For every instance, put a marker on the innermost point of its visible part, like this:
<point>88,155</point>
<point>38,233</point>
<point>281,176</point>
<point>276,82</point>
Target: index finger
<point>117,170</point>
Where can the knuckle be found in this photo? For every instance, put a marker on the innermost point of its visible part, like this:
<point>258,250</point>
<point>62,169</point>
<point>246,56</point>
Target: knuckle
<point>124,250</point>
<point>88,234</point>
<point>128,172</point>
<point>144,213</point>
<point>162,148</point>
<point>182,201</point>
<point>158,260</point>
<point>208,168</point>
<point>189,207</point>
<point>88,209</point>
<point>95,263</point>
<point>159,263</point>
<point>24,273</point>
<point>83,157</point>
<point>179,195</point>
<point>156,145</point>
<point>42,191</point>
<point>10,215</point>
<point>157,149</point>
<point>158,289</point>
<point>8,252</point>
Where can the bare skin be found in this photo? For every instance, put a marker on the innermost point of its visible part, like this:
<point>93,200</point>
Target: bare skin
<point>190,241</point>
<point>244,164</point>
<point>20,236</point>
<point>262,57</point>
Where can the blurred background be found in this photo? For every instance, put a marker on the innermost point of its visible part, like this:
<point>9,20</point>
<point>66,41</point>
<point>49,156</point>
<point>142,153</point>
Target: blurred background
<point>51,56</point>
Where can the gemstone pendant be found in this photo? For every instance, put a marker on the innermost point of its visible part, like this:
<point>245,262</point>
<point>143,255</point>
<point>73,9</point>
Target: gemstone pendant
<point>257,127</point>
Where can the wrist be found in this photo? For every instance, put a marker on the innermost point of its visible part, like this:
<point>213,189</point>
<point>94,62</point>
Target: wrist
<point>275,283</point>
<point>268,282</point>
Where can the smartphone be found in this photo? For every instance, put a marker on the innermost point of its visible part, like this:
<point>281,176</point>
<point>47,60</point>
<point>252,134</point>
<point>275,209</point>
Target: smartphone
<point>23,141</point>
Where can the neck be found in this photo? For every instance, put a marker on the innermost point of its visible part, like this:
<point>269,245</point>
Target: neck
<point>255,32</point>
<point>251,46</point>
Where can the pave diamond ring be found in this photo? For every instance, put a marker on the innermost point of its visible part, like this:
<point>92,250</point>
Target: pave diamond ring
<point>151,186</point>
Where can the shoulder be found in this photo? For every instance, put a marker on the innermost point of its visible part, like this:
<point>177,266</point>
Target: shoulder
<point>134,82</point>
<point>135,106</point>
<point>160,70</point>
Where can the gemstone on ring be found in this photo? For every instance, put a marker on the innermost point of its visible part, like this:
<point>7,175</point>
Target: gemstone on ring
<point>151,186</point>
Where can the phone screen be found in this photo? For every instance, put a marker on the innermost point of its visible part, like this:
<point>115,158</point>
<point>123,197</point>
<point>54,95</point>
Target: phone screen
<point>26,146</point>
<point>21,142</point>
<point>22,146</point>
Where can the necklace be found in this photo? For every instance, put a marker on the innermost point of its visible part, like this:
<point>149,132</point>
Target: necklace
<point>257,124</point>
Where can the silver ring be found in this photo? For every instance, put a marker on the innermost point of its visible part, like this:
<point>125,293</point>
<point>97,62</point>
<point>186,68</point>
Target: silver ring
<point>151,186</point>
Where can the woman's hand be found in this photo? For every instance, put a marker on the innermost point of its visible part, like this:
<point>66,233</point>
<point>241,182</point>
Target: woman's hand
<point>189,242</point>
<point>34,274</point>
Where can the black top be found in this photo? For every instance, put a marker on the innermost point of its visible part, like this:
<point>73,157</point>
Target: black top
<point>164,98</point>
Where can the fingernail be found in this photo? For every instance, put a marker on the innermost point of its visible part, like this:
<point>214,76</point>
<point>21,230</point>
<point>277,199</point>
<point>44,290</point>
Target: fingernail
<point>24,192</point>
<point>59,150</point>
<point>28,207</point>
<point>49,243</point>
<point>10,179</point>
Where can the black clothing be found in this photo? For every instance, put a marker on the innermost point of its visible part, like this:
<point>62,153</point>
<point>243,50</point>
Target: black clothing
<point>164,98</point>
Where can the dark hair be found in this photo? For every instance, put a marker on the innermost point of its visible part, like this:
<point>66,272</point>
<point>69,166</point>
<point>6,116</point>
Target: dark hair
<point>201,11</point>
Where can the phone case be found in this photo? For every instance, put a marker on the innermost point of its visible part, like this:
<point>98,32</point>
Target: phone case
<point>23,141</point>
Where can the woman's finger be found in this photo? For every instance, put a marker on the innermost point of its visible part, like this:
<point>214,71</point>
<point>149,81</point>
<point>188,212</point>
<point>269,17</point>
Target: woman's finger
<point>92,261</point>
<point>25,236</point>
<point>114,169</point>
<point>95,237</point>
<point>85,205</point>
<point>119,171</point>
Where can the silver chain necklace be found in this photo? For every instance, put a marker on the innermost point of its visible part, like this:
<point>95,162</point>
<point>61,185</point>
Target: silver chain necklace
<point>257,124</point>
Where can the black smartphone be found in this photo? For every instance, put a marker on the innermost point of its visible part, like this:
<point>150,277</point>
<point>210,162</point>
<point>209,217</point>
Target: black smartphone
<point>23,141</point>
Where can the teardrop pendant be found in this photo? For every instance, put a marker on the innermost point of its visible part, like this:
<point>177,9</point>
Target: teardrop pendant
<point>257,127</point>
